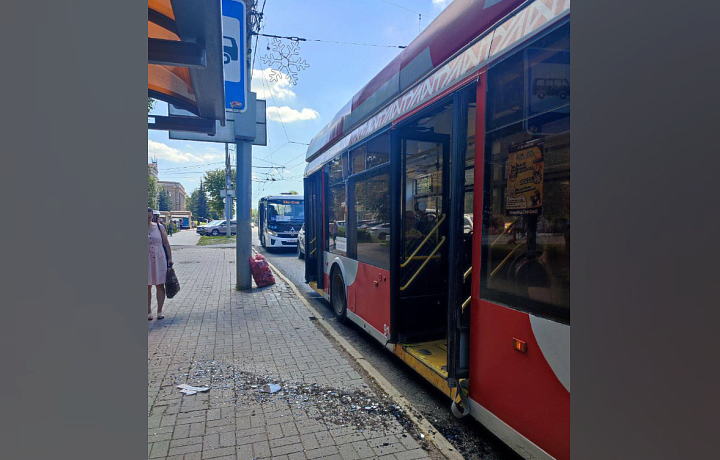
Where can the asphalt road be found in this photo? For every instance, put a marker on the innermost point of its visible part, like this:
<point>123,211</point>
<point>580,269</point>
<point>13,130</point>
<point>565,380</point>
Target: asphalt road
<point>466,435</point>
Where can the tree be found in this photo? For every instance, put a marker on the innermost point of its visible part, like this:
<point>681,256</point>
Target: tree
<point>214,183</point>
<point>197,203</point>
<point>293,192</point>
<point>201,203</point>
<point>152,191</point>
<point>164,201</point>
<point>151,104</point>
<point>190,202</point>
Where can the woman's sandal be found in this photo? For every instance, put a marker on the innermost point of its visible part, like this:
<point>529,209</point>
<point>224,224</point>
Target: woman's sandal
<point>161,317</point>
<point>150,317</point>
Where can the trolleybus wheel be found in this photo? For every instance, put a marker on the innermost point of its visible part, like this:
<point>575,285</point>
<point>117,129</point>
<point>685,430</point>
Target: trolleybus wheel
<point>337,296</point>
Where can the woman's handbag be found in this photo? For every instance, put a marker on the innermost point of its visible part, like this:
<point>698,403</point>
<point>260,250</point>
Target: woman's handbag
<point>172,285</point>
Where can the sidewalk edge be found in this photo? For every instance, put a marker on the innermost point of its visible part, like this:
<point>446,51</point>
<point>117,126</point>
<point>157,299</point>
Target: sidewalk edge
<point>440,442</point>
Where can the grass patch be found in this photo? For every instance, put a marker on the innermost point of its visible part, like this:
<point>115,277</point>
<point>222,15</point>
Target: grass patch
<point>210,240</point>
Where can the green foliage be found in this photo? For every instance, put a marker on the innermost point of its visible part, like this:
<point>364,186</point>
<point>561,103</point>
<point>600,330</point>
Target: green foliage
<point>190,202</point>
<point>164,201</point>
<point>293,192</point>
<point>214,182</point>
<point>152,191</point>
<point>197,203</point>
<point>151,104</point>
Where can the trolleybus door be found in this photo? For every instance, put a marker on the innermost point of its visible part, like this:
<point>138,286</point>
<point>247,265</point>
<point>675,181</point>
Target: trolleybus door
<point>313,229</point>
<point>460,239</point>
<point>422,295</point>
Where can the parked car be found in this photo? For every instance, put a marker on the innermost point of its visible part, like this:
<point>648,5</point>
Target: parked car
<point>200,229</point>
<point>380,231</point>
<point>301,243</point>
<point>220,228</point>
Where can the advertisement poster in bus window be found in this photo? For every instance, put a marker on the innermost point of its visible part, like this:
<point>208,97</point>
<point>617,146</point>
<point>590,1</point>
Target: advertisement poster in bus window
<point>525,177</point>
<point>547,83</point>
<point>424,185</point>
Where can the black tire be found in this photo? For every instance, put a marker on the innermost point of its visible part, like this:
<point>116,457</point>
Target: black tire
<point>563,95</point>
<point>215,232</point>
<point>338,299</point>
<point>541,94</point>
<point>382,236</point>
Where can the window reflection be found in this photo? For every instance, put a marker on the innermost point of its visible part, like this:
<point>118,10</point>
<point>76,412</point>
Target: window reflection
<point>372,207</point>
<point>526,213</point>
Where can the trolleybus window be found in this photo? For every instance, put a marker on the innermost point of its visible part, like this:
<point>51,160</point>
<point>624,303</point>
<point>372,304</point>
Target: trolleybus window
<point>526,217</point>
<point>357,158</point>
<point>372,210</point>
<point>337,209</point>
<point>378,151</point>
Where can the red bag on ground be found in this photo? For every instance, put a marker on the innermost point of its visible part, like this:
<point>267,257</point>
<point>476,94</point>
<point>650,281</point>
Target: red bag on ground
<point>261,271</point>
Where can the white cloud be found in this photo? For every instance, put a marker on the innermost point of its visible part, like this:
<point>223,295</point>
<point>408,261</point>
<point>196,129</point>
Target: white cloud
<point>440,3</point>
<point>165,152</point>
<point>213,156</point>
<point>288,115</point>
<point>266,89</point>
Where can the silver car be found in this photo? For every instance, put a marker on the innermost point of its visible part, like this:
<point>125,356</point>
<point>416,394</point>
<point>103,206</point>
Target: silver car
<point>220,228</point>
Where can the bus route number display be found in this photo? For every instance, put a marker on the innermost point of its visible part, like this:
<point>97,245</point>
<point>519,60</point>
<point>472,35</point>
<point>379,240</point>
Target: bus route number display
<point>525,176</point>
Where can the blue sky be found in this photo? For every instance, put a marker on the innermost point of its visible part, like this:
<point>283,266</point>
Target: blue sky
<point>335,74</point>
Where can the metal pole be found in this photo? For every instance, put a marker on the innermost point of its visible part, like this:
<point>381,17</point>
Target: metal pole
<point>228,186</point>
<point>243,192</point>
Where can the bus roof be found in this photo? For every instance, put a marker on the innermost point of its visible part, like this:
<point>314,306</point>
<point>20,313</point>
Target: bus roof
<point>455,27</point>
<point>282,197</point>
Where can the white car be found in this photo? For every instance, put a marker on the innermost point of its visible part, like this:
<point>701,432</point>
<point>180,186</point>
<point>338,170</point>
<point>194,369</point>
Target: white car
<point>381,232</point>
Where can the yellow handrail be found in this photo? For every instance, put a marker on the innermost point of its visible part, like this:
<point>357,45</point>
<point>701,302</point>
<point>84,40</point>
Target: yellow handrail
<point>465,304</point>
<point>512,224</point>
<point>506,259</point>
<point>467,273</point>
<point>423,264</point>
<point>403,265</point>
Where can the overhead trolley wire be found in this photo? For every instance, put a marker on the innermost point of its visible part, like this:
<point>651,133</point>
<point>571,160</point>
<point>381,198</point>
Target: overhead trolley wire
<point>300,39</point>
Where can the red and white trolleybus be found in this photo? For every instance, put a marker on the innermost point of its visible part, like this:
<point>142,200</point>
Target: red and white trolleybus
<point>437,215</point>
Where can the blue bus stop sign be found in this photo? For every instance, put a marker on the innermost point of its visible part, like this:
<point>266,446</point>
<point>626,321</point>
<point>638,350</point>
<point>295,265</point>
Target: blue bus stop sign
<point>234,54</point>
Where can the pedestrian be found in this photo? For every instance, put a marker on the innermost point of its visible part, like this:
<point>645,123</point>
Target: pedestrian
<point>170,228</point>
<point>159,259</point>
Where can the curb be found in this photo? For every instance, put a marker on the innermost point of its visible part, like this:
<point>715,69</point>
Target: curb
<point>438,440</point>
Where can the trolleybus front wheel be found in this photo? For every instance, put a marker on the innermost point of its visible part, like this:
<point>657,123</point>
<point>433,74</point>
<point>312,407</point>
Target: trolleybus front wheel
<point>337,296</point>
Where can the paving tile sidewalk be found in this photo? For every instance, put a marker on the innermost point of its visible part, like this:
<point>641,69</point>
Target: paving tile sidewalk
<point>235,343</point>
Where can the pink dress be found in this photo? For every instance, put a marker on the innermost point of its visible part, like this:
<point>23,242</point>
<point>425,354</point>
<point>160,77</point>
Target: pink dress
<point>157,263</point>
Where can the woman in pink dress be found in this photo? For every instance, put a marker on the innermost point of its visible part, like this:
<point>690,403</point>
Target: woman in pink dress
<point>157,263</point>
